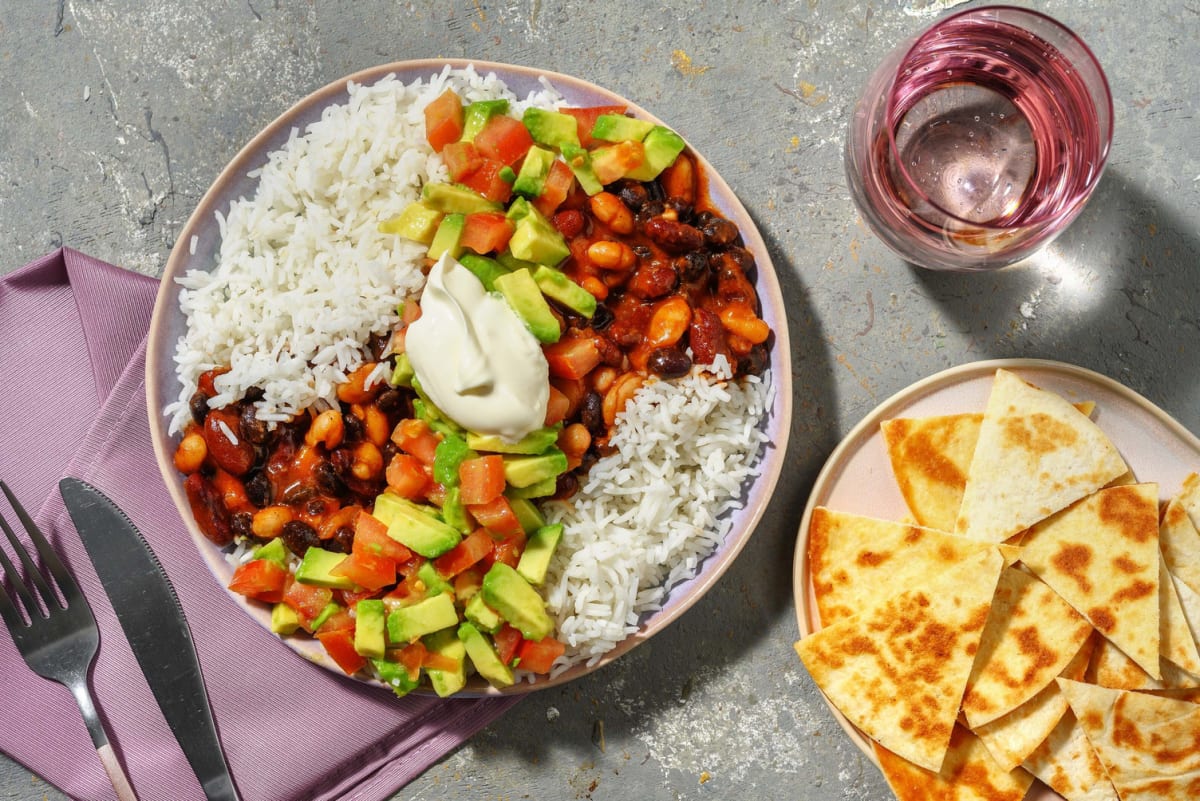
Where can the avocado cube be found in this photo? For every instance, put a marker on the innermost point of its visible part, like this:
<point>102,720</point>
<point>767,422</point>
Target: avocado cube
<point>407,623</point>
<point>619,128</point>
<point>395,675</point>
<point>523,295</point>
<point>518,210</point>
<point>273,551</point>
<point>522,471</point>
<point>555,285</point>
<point>484,657</point>
<point>517,601</point>
<point>433,581</point>
<point>417,222</point>
<point>476,115</point>
<point>531,180</point>
<point>485,269</point>
<point>421,532</point>
<point>454,512</point>
<point>527,514</point>
<point>448,239</point>
<point>532,443</point>
<point>538,489</point>
<point>662,146</point>
<point>315,569</point>
<point>369,628</point>
<point>403,372</point>
<point>551,128</point>
<point>535,559</point>
<point>450,453</point>
<point>536,240</point>
<point>457,199</point>
<point>510,262</point>
<point>284,619</point>
<point>446,643</point>
<point>580,162</point>
<point>483,616</point>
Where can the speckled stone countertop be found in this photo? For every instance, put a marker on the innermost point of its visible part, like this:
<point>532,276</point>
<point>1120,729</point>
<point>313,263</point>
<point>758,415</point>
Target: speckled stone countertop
<point>116,116</point>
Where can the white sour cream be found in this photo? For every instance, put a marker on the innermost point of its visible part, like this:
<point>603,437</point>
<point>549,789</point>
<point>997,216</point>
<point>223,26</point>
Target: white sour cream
<point>475,358</point>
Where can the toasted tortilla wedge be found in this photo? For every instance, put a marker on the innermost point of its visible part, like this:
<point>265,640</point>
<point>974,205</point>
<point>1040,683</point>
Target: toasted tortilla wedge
<point>1068,764</point>
<point>1189,497</point>
<point>930,458</point>
<point>968,774</point>
<point>1101,555</point>
<point>1177,638</point>
<point>1180,542</point>
<point>1012,738</point>
<point>1147,744</point>
<point>898,671</point>
<point>1111,668</point>
<point>1036,454</point>
<point>1031,635</point>
<point>857,562</point>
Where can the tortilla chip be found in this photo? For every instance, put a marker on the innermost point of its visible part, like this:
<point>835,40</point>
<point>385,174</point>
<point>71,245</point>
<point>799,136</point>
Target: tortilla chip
<point>1147,744</point>
<point>1111,668</point>
<point>1177,638</point>
<point>1012,738</point>
<point>930,458</point>
<point>857,562</point>
<point>1031,635</point>
<point>1101,555</point>
<point>1068,764</point>
<point>968,774</point>
<point>1180,542</point>
<point>1189,497</point>
<point>1036,454</point>
<point>898,671</point>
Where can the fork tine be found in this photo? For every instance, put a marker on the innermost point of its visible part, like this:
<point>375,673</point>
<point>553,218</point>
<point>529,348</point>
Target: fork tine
<point>49,558</point>
<point>8,610</point>
<point>14,577</point>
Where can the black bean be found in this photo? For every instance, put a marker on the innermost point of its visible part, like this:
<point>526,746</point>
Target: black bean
<point>649,210</point>
<point>259,490</point>
<point>298,493</point>
<point>669,362</point>
<point>591,413</point>
<point>754,362</point>
<point>241,523</point>
<point>565,486</point>
<point>254,394</point>
<point>390,401</point>
<point>633,194</point>
<point>299,536</point>
<point>327,479</point>
<point>252,429</point>
<point>703,217</point>
<point>719,232</point>
<point>642,252</point>
<point>198,406</point>
<point>601,318</point>
<point>315,507</point>
<point>684,211</point>
<point>341,541</point>
<point>353,429</point>
<point>692,266</point>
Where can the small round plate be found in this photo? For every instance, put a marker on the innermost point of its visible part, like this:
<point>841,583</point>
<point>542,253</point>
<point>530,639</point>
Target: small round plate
<point>1155,446</point>
<point>168,324</point>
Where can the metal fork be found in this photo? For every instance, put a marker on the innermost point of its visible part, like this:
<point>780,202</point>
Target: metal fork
<point>58,640</point>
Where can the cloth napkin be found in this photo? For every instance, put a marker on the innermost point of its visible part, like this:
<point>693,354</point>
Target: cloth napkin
<point>72,402</point>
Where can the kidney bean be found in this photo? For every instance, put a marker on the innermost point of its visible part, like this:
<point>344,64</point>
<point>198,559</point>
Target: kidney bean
<point>706,335</point>
<point>299,536</point>
<point>653,280</point>
<point>209,509</point>
<point>669,362</point>
<point>570,223</point>
<point>674,236</point>
<point>235,455</point>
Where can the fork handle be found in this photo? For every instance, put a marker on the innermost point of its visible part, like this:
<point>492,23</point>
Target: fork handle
<point>108,757</point>
<point>115,774</point>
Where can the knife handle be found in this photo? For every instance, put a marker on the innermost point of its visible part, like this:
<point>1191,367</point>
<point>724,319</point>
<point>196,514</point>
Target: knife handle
<point>115,774</point>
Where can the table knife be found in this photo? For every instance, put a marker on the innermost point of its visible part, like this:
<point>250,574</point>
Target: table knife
<point>152,619</point>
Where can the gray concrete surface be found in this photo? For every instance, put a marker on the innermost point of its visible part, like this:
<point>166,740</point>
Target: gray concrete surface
<point>115,116</point>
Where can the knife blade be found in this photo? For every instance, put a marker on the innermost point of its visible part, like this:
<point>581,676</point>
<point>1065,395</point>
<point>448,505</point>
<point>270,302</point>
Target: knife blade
<point>153,621</point>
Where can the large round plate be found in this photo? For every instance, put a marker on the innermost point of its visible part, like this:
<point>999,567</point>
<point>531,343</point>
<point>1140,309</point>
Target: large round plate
<point>168,324</point>
<point>1154,445</point>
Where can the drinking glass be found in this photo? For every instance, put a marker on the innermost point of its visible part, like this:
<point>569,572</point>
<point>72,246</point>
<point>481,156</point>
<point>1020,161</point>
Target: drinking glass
<point>979,140</point>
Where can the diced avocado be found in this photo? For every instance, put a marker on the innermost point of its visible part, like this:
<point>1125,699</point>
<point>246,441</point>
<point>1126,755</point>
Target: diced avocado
<point>523,295</point>
<point>407,623</point>
<point>476,115</point>
<point>551,127</point>
<point>446,643</point>
<point>522,471</point>
<point>484,657</point>
<point>456,199</point>
<point>450,453</point>
<point>448,238</point>
<point>417,222</point>
<point>535,239</point>
<point>527,514</point>
<point>395,675</point>
<point>534,442</point>
<point>518,210</point>
<point>517,601</point>
<point>510,262</point>
<point>329,611</point>
<point>425,409</point>
<point>662,146</point>
<point>535,559</point>
<point>421,533</point>
<point>619,128</point>
<point>388,505</point>
<point>485,269</point>
<point>284,619</point>
<point>532,178</point>
<point>454,512</point>
<point>315,569</point>
<point>507,175</point>
<point>370,628</point>
<point>580,162</point>
<point>403,372</point>
<point>538,489</point>
<point>273,551</point>
<point>483,616</point>
<point>433,581</point>
<point>554,284</point>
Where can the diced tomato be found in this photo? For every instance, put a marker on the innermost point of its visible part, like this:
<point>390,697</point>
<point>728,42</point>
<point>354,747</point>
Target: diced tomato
<point>481,480</point>
<point>486,232</point>
<point>339,644</point>
<point>205,382</point>
<point>234,455</point>
<point>585,119</point>
<point>408,476</point>
<point>572,358</point>
<point>260,579</point>
<point>570,224</point>
<point>412,656</point>
<point>340,620</point>
<point>409,568</point>
<point>436,661</point>
<point>557,407</point>
<point>558,185</point>
<point>468,582</point>
<point>504,139</point>
<point>509,549</point>
<point>444,120</point>
<point>575,389</point>
<point>497,517</point>
<point>306,599</point>
<point>467,553</point>
<point>487,181</point>
<point>415,438</point>
<point>351,597</point>
<point>618,160</point>
<point>538,656</point>
<point>508,639</point>
<point>369,571</point>
<point>411,312</point>
<point>461,159</point>
<point>370,536</point>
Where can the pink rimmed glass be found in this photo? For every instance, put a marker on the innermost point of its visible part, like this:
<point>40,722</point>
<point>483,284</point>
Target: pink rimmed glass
<point>979,141</point>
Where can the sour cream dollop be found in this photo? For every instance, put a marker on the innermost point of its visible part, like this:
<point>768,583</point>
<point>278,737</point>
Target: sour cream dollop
<point>475,358</point>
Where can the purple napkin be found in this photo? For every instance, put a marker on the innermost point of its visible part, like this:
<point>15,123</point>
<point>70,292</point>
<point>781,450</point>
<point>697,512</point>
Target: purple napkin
<point>72,402</point>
